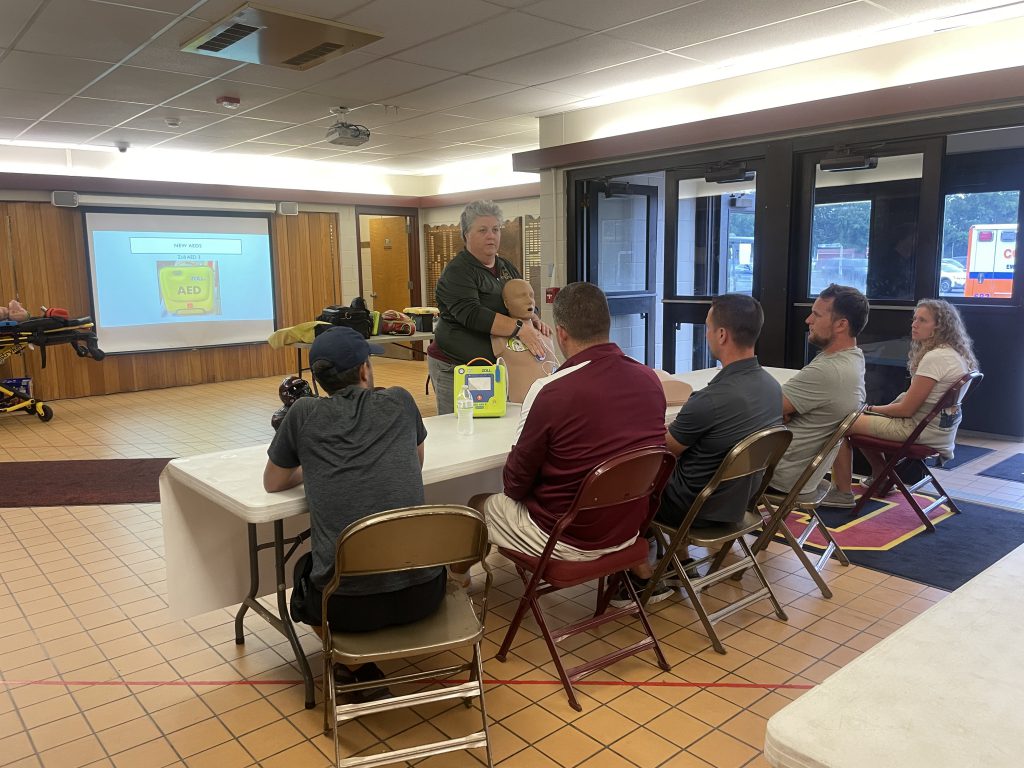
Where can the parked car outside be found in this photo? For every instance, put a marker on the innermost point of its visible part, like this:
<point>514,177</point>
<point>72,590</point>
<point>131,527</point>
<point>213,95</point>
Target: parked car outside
<point>952,276</point>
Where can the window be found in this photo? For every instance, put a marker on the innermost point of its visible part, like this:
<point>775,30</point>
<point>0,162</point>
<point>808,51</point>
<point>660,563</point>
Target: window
<point>979,244</point>
<point>715,251</point>
<point>864,228</point>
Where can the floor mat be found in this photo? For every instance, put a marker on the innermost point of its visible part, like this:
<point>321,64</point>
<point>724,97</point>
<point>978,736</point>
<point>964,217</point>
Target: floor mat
<point>1007,469</point>
<point>964,453</point>
<point>74,483</point>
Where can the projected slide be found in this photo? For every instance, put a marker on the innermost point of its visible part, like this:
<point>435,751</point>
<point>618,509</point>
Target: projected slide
<point>171,281</point>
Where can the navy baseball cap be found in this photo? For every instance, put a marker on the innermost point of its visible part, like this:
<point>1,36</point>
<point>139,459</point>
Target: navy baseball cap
<point>342,347</point>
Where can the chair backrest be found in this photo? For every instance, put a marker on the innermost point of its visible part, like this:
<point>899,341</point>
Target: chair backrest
<point>824,452</point>
<point>758,452</point>
<point>952,397</point>
<point>410,537</point>
<point>631,476</point>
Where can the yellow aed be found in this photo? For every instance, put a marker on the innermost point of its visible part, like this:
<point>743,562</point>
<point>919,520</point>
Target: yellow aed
<point>488,384</point>
<point>187,290</point>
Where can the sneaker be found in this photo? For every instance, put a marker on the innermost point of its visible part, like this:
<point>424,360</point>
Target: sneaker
<point>365,674</point>
<point>661,592</point>
<point>464,580</point>
<point>886,490</point>
<point>840,499</point>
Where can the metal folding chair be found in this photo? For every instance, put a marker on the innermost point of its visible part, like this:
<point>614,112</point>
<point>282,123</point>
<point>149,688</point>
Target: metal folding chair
<point>755,454</point>
<point>910,451</point>
<point>777,508</point>
<point>399,540</point>
<point>636,475</point>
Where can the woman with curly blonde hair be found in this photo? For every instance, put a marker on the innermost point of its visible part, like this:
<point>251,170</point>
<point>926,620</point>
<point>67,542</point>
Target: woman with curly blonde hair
<point>941,352</point>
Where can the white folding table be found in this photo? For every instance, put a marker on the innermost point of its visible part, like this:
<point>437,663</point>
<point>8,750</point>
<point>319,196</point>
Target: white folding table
<point>215,560</point>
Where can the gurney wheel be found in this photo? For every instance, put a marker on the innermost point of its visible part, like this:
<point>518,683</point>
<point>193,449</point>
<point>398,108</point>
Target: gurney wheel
<point>44,412</point>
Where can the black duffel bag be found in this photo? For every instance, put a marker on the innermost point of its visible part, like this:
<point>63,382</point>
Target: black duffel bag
<point>356,316</point>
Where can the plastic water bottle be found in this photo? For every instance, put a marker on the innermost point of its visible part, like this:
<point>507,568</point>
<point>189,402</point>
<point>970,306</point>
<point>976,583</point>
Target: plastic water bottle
<point>464,409</point>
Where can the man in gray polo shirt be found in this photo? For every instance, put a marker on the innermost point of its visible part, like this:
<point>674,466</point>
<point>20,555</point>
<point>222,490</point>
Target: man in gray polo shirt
<point>358,452</point>
<point>742,399</point>
<point>827,389</point>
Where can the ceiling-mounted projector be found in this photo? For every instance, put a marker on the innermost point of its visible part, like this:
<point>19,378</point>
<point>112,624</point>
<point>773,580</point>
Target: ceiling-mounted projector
<point>348,134</point>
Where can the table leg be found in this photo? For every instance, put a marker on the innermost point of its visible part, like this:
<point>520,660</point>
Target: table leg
<point>282,620</point>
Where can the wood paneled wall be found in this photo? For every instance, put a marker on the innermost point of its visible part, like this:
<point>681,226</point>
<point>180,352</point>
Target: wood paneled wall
<point>43,258</point>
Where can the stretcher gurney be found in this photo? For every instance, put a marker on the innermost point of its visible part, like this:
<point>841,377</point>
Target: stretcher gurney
<point>42,332</point>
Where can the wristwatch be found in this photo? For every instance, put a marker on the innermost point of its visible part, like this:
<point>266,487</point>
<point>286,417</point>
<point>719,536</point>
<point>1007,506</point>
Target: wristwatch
<point>519,327</point>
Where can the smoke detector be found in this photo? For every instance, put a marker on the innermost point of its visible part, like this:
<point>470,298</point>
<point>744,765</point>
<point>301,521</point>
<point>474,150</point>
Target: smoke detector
<point>347,134</point>
<point>262,35</point>
<point>229,102</point>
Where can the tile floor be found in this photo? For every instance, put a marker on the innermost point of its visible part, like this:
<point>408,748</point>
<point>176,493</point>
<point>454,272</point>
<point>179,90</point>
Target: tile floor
<point>93,671</point>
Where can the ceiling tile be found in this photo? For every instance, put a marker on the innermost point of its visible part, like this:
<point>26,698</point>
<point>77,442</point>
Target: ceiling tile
<point>573,58</point>
<point>15,13</point>
<point>101,31</point>
<point>526,101</point>
<point>664,65</point>
<point>377,115</point>
<point>405,24</point>
<point>168,6</point>
<point>504,37</point>
<point>279,77</point>
<point>601,16</point>
<point>936,9</point>
<point>135,138</point>
<point>448,93</point>
<point>10,127</point>
<point>96,111</point>
<point>48,73</point>
<point>397,145</point>
<point>311,153</point>
<point>427,124</point>
<point>72,133</point>
<point>215,10</point>
<point>156,120</point>
<point>489,130</point>
<point>195,143</point>
<point>144,86</point>
<point>707,20</point>
<point>790,33</point>
<point>513,140</point>
<point>299,136</point>
<point>165,53</point>
<point>205,96</point>
<point>297,108</point>
<point>378,80</point>
<point>256,148</point>
<point>514,3</point>
<point>240,129</point>
<point>27,103</point>
<point>409,164</point>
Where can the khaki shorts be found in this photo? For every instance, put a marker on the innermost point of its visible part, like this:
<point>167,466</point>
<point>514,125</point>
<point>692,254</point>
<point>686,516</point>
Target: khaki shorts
<point>898,430</point>
<point>509,525</point>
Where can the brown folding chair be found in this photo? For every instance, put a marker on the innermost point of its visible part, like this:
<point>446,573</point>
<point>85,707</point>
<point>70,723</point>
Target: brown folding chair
<point>910,451</point>
<point>400,540</point>
<point>755,454</point>
<point>631,476</point>
<point>777,508</point>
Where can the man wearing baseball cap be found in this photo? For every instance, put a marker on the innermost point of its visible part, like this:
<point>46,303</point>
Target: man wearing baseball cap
<point>358,452</point>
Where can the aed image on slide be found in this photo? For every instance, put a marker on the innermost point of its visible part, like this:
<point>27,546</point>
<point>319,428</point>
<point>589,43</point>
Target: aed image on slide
<point>189,287</point>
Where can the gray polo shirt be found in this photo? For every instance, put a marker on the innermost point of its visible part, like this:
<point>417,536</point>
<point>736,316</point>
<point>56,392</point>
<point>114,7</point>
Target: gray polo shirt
<point>739,401</point>
<point>824,392</point>
<point>357,450</point>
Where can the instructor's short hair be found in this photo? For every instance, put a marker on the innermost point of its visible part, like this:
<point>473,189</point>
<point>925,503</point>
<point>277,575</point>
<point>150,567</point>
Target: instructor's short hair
<point>582,310</point>
<point>475,210</point>
<point>848,303</point>
<point>740,315</point>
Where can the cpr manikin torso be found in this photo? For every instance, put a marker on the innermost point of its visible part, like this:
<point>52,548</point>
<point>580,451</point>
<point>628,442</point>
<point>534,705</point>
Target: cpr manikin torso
<point>523,366</point>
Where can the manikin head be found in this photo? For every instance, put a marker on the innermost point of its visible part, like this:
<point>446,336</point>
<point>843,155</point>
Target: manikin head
<point>519,300</point>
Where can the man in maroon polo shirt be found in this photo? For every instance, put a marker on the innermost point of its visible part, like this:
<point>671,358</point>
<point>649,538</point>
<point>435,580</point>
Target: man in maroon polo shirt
<point>598,404</point>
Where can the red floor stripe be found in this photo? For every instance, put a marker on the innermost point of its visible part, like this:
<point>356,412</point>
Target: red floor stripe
<point>207,683</point>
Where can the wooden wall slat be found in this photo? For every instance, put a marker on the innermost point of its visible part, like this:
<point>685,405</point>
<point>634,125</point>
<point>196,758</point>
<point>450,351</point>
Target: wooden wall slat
<point>44,258</point>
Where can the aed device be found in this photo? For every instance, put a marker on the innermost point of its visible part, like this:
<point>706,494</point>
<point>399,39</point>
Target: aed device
<point>187,290</point>
<point>488,384</point>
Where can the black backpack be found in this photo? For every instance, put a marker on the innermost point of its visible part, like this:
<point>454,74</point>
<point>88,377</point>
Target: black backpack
<point>356,316</point>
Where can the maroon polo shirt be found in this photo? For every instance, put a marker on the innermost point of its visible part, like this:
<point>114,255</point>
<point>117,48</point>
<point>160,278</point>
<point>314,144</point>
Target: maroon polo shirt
<point>598,404</point>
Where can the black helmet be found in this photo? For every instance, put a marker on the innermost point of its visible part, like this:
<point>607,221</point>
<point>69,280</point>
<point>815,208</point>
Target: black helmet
<point>292,388</point>
<point>278,417</point>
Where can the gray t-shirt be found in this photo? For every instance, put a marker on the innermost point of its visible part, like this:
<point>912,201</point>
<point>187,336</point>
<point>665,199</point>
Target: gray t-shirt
<point>742,399</point>
<point>824,392</point>
<point>357,450</point>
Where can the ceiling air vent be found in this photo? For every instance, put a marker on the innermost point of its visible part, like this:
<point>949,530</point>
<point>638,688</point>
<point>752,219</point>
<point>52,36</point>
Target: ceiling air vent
<point>261,35</point>
<point>314,53</point>
<point>229,36</point>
